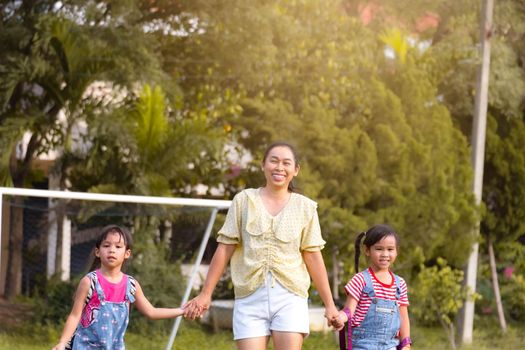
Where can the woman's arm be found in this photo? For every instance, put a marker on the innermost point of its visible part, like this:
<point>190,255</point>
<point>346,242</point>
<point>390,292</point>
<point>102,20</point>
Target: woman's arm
<point>195,307</point>
<point>75,314</point>
<point>154,313</point>
<point>317,270</point>
<point>404,331</point>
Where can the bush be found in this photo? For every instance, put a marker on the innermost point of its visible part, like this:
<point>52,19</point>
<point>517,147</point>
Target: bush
<point>53,303</point>
<point>161,281</point>
<point>513,296</point>
<point>438,295</point>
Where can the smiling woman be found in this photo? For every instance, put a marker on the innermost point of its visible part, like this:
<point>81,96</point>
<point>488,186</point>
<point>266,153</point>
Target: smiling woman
<point>273,238</point>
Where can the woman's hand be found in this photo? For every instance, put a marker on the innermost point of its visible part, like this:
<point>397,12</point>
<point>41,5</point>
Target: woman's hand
<point>197,306</point>
<point>339,322</point>
<point>331,313</point>
<point>342,318</point>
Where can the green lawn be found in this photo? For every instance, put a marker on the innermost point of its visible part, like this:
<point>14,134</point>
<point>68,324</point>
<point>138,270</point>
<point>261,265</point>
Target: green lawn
<point>192,336</point>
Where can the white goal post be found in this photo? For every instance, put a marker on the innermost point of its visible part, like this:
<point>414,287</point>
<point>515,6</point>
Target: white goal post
<point>213,204</point>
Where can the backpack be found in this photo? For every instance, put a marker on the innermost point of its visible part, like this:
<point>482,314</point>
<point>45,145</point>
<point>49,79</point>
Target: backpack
<point>92,286</point>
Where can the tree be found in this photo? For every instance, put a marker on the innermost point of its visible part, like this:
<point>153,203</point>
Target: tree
<point>52,53</point>
<point>366,123</point>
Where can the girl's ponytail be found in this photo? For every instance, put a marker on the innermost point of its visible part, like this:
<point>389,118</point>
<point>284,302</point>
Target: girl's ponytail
<point>358,250</point>
<point>96,262</point>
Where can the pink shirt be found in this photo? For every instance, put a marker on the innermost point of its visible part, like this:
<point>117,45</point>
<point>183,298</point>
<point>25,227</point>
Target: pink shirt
<point>383,291</point>
<point>114,292</point>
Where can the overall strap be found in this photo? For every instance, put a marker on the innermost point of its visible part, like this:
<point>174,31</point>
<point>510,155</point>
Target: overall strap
<point>398,286</point>
<point>369,286</point>
<point>92,286</point>
<point>131,289</point>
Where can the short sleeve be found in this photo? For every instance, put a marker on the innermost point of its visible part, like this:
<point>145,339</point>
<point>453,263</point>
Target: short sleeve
<point>230,232</point>
<point>355,287</point>
<point>403,297</point>
<point>311,239</point>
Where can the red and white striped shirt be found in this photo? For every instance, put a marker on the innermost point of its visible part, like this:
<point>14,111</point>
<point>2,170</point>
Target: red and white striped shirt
<point>355,287</point>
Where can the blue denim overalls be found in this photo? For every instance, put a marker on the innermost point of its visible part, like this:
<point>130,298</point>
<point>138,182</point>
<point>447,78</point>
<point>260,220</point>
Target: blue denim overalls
<point>109,325</point>
<point>379,329</point>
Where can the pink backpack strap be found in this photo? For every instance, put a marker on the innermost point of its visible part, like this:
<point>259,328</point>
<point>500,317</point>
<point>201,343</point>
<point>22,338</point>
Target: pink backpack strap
<point>345,334</point>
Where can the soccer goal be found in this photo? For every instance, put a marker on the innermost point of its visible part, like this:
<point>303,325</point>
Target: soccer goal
<point>46,233</point>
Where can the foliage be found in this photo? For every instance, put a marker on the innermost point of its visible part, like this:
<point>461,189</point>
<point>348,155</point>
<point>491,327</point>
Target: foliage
<point>53,303</point>
<point>161,281</point>
<point>438,295</point>
<point>145,147</point>
<point>365,124</point>
<point>513,292</point>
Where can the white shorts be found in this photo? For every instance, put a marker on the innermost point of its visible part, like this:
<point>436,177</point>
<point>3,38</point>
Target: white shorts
<point>270,308</point>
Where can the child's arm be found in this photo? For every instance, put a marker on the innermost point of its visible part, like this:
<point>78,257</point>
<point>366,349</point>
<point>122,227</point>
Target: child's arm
<point>152,312</point>
<point>342,318</point>
<point>404,331</point>
<point>74,315</point>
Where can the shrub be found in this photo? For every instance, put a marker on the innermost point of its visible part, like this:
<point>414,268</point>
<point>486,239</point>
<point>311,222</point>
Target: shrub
<point>161,281</point>
<point>53,302</point>
<point>438,295</point>
<point>513,296</point>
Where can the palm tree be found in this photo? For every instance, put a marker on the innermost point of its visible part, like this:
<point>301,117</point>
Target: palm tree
<point>47,69</point>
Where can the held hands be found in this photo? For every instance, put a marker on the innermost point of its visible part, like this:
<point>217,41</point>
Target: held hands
<point>197,306</point>
<point>339,321</point>
<point>331,315</point>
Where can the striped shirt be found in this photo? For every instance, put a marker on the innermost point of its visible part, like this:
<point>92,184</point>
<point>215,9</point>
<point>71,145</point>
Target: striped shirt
<point>355,287</point>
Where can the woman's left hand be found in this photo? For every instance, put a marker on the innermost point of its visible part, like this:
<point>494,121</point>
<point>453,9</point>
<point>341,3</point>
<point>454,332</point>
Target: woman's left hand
<point>331,313</point>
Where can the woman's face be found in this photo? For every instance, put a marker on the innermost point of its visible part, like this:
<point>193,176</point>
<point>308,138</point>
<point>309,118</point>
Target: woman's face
<point>279,167</point>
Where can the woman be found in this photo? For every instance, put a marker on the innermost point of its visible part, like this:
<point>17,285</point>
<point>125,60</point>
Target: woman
<point>273,238</point>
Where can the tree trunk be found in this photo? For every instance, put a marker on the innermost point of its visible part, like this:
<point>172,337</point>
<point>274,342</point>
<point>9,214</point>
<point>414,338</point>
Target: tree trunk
<point>495,286</point>
<point>16,236</point>
<point>335,273</point>
<point>452,336</point>
<point>19,171</point>
<point>449,329</point>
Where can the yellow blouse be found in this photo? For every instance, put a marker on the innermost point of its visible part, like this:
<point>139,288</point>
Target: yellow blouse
<point>267,243</point>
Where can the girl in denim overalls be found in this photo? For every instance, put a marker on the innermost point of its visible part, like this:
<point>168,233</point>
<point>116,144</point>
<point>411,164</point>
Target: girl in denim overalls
<point>100,313</point>
<point>377,300</point>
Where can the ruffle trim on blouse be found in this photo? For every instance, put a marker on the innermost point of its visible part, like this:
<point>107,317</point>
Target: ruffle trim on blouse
<point>286,230</point>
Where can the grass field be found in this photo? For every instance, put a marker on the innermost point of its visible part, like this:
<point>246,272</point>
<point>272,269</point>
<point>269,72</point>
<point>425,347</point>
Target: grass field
<point>192,336</point>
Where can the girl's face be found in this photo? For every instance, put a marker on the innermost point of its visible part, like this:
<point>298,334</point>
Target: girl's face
<point>112,251</point>
<point>383,253</point>
<point>279,167</point>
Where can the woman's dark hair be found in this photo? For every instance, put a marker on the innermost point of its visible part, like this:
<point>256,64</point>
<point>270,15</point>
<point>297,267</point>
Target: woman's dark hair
<point>291,185</point>
<point>121,231</point>
<point>372,236</point>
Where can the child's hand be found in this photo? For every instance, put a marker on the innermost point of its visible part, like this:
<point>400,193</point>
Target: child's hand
<point>60,346</point>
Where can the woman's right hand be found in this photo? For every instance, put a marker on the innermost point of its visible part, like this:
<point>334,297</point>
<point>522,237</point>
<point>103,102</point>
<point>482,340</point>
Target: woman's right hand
<point>197,306</point>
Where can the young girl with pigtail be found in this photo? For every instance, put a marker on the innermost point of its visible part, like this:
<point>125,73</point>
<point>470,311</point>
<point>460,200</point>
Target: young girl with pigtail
<point>376,307</point>
<point>100,313</point>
